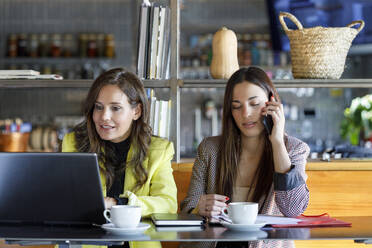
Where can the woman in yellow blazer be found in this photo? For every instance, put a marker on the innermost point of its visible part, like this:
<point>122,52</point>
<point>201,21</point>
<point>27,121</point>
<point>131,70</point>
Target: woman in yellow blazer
<point>135,167</point>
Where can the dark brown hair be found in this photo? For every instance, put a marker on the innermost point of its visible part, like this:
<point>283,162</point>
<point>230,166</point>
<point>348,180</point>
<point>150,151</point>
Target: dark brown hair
<point>88,140</point>
<point>230,148</point>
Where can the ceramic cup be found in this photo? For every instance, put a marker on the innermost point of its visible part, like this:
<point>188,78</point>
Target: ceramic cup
<point>241,212</point>
<point>123,216</point>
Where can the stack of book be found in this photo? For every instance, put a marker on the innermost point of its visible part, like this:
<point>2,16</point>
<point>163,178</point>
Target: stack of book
<point>27,74</point>
<point>160,116</point>
<point>181,219</point>
<point>181,222</point>
<point>153,52</point>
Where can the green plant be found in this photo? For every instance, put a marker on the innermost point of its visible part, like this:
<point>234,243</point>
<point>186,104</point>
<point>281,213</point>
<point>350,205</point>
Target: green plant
<point>358,120</point>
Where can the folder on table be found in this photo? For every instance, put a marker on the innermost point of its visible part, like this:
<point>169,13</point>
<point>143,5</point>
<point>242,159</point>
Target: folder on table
<point>323,220</point>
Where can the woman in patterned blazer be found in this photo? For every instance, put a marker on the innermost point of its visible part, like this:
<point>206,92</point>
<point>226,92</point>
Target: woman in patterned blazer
<point>246,163</point>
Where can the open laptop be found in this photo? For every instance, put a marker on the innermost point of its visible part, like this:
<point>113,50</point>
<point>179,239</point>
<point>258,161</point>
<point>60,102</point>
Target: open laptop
<point>50,188</point>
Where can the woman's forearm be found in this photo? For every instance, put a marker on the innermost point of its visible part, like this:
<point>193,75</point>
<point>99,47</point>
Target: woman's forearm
<point>282,163</point>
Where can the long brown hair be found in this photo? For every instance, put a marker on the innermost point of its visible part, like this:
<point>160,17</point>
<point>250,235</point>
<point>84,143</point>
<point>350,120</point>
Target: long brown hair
<point>88,140</point>
<point>231,147</point>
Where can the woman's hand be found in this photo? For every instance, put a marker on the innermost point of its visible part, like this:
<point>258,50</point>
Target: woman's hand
<point>109,202</point>
<point>282,162</point>
<point>211,204</point>
<point>275,110</point>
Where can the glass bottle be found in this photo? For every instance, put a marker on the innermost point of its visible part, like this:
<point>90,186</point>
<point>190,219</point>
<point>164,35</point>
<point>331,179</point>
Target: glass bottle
<point>255,53</point>
<point>56,45</point>
<point>83,45</point>
<point>239,37</point>
<point>87,71</point>
<point>100,45</point>
<point>110,46</point>
<point>68,45</point>
<point>247,55</point>
<point>92,46</point>
<point>22,45</point>
<point>33,44</point>
<point>12,46</point>
<point>43,45</point>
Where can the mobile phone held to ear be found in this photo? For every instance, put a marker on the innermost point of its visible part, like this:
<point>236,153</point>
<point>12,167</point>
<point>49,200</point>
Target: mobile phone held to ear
<point>267,120</point>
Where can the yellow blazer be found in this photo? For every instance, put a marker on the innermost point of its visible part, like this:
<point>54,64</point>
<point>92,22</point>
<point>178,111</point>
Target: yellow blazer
<point>158,194</point>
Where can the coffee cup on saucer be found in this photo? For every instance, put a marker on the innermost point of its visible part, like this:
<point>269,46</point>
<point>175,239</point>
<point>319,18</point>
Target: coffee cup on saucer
<point>241,212</point>
<point>123,216</point>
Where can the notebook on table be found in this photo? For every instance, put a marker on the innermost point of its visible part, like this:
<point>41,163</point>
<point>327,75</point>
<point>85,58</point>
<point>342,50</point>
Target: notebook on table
<point>50,188</point>
<point>181,219</point>
<point>323,220</point>
<point>180,228</point>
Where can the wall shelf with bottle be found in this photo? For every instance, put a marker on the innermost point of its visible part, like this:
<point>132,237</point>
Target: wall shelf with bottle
<point>253,49</point>
<point>55,37</point>
<point>68,84</point>
<point>80,57</point>
<point>57,45</point>
<point>175,84</point>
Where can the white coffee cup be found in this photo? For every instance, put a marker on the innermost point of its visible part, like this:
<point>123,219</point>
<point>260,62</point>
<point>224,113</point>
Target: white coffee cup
<point>123,216</point>
<point>241,212</point>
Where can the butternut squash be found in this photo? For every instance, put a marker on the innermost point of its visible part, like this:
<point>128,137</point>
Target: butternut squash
<point>225,54</point>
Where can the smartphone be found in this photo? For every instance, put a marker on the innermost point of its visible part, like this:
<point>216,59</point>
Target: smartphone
<point>267,120</point>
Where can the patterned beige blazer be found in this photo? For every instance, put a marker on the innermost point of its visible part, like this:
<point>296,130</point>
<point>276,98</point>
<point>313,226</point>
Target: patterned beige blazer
<point>288,196</point>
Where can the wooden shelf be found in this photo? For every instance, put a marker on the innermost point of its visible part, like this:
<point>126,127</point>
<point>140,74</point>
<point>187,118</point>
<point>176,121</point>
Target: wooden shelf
<point>33,83</point>
<point>283,83</point>
<point>201,83</point>
<point>361,49</point>
<point>54,59</point>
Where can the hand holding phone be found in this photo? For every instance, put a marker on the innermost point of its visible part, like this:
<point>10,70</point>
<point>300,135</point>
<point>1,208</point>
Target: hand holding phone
<point>267,120</point>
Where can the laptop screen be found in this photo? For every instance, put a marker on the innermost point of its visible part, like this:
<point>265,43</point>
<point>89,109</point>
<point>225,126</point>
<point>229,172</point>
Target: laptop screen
<point>50,188</point>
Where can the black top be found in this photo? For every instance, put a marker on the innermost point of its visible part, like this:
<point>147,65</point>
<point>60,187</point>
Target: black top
<point>117,188</point>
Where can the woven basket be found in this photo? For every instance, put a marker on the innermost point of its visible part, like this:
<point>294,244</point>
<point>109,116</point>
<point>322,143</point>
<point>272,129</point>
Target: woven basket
<point>319,52</point>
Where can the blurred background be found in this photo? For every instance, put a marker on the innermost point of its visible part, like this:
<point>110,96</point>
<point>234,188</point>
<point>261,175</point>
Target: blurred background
<point>81,38</point>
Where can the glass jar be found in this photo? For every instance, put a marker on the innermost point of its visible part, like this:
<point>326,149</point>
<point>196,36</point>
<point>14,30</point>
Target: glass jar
<point>83,45</point>
<point>68,45</point>
<point>92,46</point>
<point>110,46</point>
<point>43,45</point>
<point>100,45</point>
<point>55,49</point>
<point>12,46</point>
<point>247,45</point>
<point>22,45</point>
<point>33,44</point>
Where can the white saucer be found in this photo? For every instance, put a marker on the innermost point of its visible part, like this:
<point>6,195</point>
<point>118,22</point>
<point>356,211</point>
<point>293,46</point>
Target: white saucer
<point>126,230</point>
<point>244,227</point>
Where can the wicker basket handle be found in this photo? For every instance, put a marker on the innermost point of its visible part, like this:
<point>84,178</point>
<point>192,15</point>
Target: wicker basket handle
<point>361,26</point>
<point>290,17</point>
